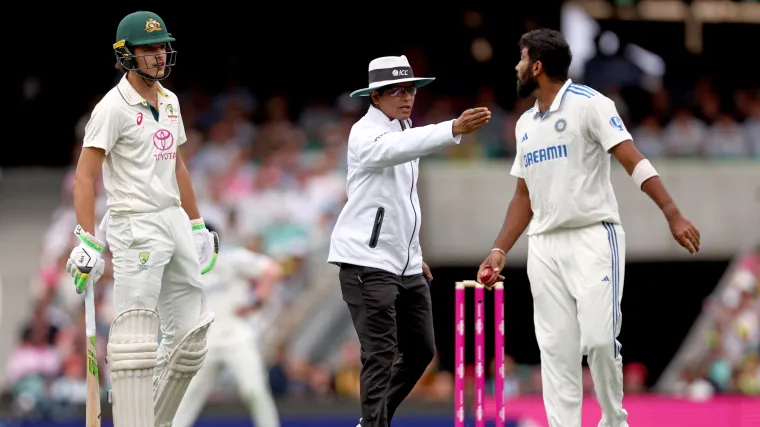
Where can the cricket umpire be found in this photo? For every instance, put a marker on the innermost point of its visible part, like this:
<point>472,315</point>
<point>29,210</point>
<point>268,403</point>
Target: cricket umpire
<point>376,238</point>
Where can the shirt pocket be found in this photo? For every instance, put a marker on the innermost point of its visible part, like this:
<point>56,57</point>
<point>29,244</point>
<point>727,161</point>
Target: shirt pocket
<point>377,226</point>
<point>119,233</point>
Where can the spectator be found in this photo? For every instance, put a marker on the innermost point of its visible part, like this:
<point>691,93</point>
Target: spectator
<point>634,378</point>
<point>752,128</point>
<point>36,355</point>
<point>648,137</point>
<point>726,139</point>
<point>685,135</point>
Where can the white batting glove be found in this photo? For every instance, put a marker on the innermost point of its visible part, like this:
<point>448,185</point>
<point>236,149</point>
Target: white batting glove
<point>206,244</point>
<point>85,264</point>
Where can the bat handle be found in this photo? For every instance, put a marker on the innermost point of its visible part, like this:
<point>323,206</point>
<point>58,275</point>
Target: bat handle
<point>89,310</point>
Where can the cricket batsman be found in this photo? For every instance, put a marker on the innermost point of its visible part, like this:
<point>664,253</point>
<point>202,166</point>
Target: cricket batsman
<point>576,246</point>
<point>158,240</point>
<point>241,283</point>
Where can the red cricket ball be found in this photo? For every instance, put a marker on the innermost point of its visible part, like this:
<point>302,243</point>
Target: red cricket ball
<point>486,275</point>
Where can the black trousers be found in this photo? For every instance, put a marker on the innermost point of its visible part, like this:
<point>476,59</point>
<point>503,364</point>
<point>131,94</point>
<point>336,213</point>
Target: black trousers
<point>393,317</point>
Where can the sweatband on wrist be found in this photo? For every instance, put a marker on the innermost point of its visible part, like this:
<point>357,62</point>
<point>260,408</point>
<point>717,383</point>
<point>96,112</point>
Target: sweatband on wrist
<point>198,224</point>
<point>642,172</point>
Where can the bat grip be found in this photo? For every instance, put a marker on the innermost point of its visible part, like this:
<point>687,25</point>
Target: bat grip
<point>89,310</point>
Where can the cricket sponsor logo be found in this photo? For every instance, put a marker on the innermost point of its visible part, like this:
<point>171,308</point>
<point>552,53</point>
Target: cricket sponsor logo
<point>163,140</point>
<point>617,123</point>
<point>92,360</point>
<point>545,154</point>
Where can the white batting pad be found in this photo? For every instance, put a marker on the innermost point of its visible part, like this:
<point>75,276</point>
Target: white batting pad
<point>132,347</point>
<point>187,358</point>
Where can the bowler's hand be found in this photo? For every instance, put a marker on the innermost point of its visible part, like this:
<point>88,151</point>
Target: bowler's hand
<point>470,120</point>
<point>685,233</point>
<point>426,272</point>
<point>496,261</point>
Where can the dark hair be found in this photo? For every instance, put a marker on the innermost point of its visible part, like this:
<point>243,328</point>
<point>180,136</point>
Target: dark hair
<point>549,47</point>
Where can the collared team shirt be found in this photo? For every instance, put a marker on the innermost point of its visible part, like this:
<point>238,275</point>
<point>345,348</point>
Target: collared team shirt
<point>563,156</point>
<point>140,143</point>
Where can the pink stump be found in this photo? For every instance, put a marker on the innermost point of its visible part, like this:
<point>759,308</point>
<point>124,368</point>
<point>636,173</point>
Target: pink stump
<point>459,356</point>
<point>498,308</point>
<point>480,353</point>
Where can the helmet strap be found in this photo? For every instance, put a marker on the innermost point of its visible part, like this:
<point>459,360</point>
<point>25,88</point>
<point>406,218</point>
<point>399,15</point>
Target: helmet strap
<point>130,62</point>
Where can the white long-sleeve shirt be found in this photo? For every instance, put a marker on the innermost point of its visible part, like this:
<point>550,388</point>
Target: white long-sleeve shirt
<point>380,224</point>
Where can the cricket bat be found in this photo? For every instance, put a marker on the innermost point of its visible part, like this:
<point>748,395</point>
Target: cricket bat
<point>92,418</point>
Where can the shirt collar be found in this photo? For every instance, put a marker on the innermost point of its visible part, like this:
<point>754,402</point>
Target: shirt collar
<point>555,105</point>
<point>376,115</point>
<point>130,94</point>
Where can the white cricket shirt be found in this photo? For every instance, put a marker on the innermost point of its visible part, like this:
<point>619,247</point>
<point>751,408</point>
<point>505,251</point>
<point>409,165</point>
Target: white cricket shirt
<point>228,287</point>
<point>563,157</point>
<point>141,148</point>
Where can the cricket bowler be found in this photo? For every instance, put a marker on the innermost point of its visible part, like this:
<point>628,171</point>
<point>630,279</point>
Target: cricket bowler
<point>241,283</point>
<point>576,244</point>
<point>158,240</point>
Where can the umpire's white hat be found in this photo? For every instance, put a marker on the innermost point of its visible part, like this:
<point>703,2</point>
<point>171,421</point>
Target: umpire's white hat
<point>389,70</point>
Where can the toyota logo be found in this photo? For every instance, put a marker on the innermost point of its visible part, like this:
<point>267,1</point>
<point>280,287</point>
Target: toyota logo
<point>163,139</point>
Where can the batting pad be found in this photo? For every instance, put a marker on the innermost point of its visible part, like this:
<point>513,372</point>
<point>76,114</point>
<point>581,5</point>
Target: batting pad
<point>132,347</point>
<point>184,362</point>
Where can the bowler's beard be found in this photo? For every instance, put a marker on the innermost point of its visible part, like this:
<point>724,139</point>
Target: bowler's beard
<point>526,88</point>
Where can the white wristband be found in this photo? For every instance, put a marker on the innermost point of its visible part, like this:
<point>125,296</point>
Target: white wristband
<point>642,172</point>
<point>500,250</point>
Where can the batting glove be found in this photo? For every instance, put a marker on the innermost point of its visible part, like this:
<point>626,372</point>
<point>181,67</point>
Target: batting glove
<point>206,244</point>
<point>85,264</point>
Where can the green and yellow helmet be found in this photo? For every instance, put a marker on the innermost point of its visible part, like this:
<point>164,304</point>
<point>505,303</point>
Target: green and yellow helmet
<point>143,29</point>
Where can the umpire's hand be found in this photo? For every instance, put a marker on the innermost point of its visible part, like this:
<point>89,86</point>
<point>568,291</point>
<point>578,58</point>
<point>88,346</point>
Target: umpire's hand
<point>470,120</point>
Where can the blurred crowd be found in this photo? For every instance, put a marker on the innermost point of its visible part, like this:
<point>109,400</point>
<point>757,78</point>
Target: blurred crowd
<point>710,125</point>
<point>730,363</point>
<point>273,179</point>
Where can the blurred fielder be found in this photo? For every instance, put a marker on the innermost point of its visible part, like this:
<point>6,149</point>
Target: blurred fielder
<point>159,242</point>
<point>232,343</point>
<point>576,254</point>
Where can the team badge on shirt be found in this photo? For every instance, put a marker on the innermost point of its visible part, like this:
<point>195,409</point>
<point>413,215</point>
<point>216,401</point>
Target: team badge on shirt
<point>560,125</point>
<point>143,257</point>
<point>171,113</point>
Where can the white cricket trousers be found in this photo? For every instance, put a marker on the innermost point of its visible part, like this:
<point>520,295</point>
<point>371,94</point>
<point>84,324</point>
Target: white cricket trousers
<point>244,361</point>
<point>155,266</point>
<point>576,278</point>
